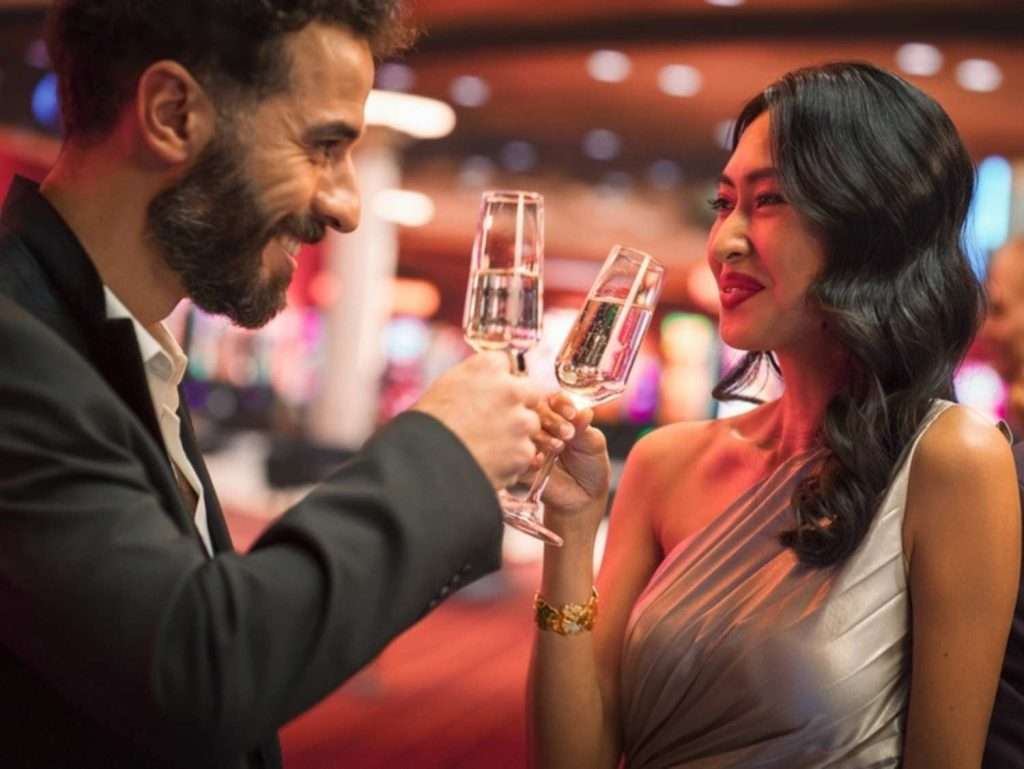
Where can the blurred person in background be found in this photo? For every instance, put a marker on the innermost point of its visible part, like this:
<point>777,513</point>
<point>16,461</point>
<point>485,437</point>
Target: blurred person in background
<point>1001,341</point>
<point>205,140</point>
<point>827,580</point>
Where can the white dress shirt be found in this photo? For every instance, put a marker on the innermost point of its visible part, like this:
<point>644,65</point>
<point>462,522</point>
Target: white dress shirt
<point>165,364</point>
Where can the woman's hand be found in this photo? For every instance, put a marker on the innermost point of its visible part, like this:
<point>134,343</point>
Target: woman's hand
<point>579,481</point>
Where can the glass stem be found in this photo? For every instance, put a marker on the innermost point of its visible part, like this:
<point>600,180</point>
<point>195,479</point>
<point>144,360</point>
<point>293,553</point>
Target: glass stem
<point>541,480</point>
<point>516,361</point>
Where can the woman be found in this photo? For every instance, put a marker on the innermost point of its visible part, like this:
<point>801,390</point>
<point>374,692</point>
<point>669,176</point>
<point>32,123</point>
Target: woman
<point>763,572</point>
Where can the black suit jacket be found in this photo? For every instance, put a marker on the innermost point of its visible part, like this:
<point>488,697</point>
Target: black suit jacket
<point>122,644</point>
<point>1005,746</point>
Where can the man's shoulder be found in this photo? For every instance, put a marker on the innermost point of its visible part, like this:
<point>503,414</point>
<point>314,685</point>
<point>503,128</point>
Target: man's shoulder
<point>35,353</point>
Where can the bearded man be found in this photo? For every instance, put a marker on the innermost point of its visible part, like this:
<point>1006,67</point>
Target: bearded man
<point>204,141</point>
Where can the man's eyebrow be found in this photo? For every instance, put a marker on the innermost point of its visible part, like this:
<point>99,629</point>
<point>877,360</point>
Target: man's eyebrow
<point>756,175</point>
<point>335,130</point>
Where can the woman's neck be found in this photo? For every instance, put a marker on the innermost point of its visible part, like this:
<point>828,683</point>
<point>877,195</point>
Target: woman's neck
<point>812,377</point>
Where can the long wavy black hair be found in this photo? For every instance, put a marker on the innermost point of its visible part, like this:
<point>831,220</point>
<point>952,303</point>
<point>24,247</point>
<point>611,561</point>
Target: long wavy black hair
<point>877,168</point>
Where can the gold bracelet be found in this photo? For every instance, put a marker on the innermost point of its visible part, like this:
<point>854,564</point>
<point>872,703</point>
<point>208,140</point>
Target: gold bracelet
<point>571,619</point>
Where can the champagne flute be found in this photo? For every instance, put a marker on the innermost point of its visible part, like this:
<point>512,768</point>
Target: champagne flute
<point>505,297</point>
<point>598,354</point>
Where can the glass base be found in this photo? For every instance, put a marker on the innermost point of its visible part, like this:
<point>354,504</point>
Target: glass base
<point>522,514</point>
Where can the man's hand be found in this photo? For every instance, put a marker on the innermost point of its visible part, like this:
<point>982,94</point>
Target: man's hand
<point>491,411</point>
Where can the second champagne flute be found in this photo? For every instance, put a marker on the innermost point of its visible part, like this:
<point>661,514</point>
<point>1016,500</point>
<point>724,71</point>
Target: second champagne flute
<point>598,354</point>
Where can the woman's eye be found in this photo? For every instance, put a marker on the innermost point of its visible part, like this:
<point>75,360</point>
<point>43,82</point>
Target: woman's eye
<point>770,199</point>
<point>719,204</point>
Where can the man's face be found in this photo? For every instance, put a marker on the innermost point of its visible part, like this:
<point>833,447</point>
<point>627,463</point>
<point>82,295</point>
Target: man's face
<point>1002,336</point>
<point>275,175</point>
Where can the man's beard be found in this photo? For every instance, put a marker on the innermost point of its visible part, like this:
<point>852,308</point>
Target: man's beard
<point>211,230</point>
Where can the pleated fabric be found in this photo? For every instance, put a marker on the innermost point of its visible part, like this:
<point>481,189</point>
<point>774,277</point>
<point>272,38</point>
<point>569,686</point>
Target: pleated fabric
<point>738,657</point>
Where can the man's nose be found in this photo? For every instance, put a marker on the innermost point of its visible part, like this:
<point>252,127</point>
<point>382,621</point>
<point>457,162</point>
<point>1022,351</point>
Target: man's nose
<point>337,202</point>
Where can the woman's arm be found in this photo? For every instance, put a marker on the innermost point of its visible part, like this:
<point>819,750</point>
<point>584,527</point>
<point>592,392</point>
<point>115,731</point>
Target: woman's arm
<point>963,534</point>
<point>574,680</point>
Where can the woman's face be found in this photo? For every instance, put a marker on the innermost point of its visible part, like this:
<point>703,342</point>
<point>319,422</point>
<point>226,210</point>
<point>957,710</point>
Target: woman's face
<point>762,253</point>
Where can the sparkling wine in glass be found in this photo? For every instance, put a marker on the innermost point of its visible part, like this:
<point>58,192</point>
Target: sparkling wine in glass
<point>598,354</point>
<point>504,299</point>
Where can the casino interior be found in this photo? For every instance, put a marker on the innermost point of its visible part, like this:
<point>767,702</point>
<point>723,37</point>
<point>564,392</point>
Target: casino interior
<point>618,112</point>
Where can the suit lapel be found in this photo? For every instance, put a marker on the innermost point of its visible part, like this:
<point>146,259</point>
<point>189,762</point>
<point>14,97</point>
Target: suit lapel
<point>219,536</point>
<point>109,344</point>
<point>118,359</point>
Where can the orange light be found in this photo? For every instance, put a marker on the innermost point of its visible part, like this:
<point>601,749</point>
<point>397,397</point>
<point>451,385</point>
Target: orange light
<point>415,297</point>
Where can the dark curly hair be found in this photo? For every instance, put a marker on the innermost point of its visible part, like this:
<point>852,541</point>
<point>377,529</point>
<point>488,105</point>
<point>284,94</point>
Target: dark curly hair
<point>235,48</point>
<point>877,168</point>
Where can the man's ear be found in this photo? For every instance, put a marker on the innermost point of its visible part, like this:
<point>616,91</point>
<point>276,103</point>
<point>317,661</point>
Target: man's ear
<point>175,115</point>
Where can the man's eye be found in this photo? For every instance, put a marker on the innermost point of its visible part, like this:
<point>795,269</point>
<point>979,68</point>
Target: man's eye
<point>328,149</point>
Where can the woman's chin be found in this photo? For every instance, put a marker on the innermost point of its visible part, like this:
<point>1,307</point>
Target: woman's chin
<point>744,339</point>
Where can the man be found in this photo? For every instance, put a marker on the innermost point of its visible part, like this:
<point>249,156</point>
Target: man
<point>204,140</point>
<point>1002,338</point>
<point>1004,748</point>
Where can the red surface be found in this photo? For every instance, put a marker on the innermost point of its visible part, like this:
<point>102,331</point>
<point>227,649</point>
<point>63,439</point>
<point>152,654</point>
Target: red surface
<point>449,693</point>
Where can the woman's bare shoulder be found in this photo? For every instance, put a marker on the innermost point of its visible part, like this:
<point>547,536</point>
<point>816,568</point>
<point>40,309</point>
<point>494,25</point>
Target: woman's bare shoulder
<point>962,481</point>
<point>678,445</point>
<point>959,443</point>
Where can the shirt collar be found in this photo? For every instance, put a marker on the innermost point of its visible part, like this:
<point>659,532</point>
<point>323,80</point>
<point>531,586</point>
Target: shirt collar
<point>160,350</point>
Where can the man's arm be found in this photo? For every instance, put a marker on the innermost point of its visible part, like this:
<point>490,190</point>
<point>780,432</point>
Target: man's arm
<point>104,597</point>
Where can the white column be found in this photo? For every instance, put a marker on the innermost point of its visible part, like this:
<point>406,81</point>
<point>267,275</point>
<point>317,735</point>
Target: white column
<point>1017,199</point>
<point>362,266</point>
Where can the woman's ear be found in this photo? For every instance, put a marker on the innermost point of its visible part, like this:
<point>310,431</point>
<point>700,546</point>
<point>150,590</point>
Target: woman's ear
<point>175,115</point>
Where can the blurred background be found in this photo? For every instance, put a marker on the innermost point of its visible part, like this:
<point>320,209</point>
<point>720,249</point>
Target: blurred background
<point>618,111</point>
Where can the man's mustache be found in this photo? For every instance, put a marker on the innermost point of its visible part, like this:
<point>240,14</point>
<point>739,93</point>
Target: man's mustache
<point>305,229</point>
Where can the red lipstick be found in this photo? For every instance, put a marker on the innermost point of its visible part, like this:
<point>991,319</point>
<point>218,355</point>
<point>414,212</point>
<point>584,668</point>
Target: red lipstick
<point>734,288</point>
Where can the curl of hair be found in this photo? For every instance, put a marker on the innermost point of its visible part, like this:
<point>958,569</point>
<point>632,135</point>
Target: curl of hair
<point>99,48</point>
<point>877,168</point>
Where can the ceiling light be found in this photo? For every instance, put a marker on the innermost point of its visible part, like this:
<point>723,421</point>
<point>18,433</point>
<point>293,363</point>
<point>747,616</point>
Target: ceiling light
<point>417,116</point>
<point>609,66</point>
<point>602,144</point>
<point>518,156</point>
<point>392,76</point>
<point>404,207</point>
<point>919,59</point>
<point>470,91</point>
<point>664,174</point>
<point>726,3</point>
<point>979,75</point>
<point>680,80</point>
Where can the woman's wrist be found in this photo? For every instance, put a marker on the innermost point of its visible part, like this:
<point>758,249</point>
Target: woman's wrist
<point>580,524</point>
<point>568,571</point>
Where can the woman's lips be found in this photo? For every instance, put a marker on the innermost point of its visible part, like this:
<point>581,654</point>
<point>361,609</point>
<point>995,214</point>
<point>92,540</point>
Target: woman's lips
<point>735,289</point>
